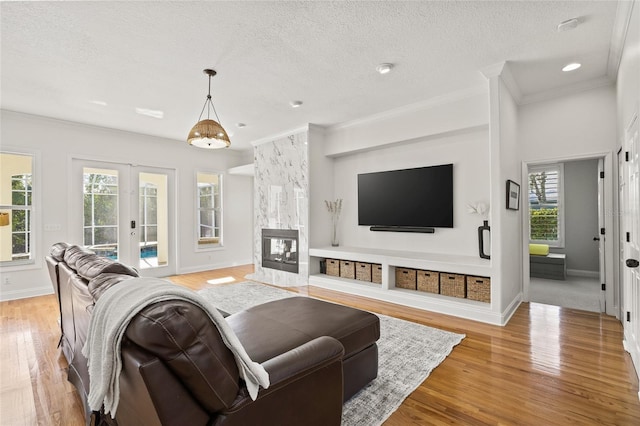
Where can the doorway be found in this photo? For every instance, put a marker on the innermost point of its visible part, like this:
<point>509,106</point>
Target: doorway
<point>126,213</point>
<point>565,210</point>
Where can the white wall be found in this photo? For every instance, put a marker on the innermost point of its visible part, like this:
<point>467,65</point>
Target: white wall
<point>435,118</point>
<point>450,129</point>
<point>469,154</point>
<point>56,142</point>
<point>321,178</point>
<point>505,146</point>
<point>575,125</point>
<point>628,85</point>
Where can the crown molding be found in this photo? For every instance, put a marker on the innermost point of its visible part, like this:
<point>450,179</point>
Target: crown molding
<point>510,82</point>
<point>618,36</point>
<point>493,70</point>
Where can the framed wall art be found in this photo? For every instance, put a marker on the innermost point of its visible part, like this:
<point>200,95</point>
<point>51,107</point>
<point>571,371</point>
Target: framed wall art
<point>513,195</point>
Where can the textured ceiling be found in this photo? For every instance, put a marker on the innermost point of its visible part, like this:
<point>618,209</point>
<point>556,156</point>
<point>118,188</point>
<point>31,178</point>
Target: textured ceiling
<point>57,57</point>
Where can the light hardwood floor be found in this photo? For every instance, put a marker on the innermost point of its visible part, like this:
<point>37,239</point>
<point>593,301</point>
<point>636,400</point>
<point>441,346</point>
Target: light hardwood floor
<point>548,366</point>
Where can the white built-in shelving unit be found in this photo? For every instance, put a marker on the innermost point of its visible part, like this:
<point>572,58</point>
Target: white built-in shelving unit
<point>386,291</point>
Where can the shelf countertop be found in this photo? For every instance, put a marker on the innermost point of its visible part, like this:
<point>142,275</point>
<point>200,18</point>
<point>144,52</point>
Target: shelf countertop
<point>396,256</point>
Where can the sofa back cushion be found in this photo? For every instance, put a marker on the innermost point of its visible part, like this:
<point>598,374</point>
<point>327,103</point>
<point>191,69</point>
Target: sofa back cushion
<point>92,265</point>
<point>185,339</point>
<point>57,251</point>
<point>103,282</point>
<point>73,253</point>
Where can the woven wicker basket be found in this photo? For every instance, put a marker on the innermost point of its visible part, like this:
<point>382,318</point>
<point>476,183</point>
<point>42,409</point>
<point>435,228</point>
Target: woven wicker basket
<point>452,285</point>
<point>363,271</point>
<point>376,273</point>
<point>428,281</point>
<point>333,267</point>
<point>347,269</point>
<point>479,288</point>
<point>406,278</point>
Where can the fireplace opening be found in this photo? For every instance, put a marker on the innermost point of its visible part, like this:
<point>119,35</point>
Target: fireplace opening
<point>280,249</point>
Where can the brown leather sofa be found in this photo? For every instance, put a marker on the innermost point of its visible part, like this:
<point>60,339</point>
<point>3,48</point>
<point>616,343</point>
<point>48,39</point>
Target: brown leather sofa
<point>177,371</point>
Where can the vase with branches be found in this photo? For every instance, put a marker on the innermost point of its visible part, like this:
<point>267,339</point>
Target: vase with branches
<point>334,208</point>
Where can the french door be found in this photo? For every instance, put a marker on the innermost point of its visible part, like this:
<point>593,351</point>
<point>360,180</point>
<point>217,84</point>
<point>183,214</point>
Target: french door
<point>630,205</point>
<point>126,213</point>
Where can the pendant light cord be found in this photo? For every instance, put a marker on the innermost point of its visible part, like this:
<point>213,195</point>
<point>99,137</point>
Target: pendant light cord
<point>208,102</point>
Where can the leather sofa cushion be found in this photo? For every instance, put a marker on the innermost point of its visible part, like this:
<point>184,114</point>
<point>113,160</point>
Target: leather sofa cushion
<point>288,323</point>
<point>184,338</point>
<point>73,253</point>
<point>90,266</point>
<point>57,251</point>
<point>103,282</point>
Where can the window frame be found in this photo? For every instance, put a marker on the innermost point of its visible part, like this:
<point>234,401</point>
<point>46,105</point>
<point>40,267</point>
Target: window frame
<point>559,168</point>
<point>35,260</point>
<point>200,247</point>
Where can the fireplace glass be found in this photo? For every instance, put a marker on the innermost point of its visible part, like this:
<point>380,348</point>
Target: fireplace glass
<point>280,249</point>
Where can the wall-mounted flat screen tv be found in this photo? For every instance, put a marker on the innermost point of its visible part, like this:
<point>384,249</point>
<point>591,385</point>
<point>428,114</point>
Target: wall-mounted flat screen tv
<point>420,197</point>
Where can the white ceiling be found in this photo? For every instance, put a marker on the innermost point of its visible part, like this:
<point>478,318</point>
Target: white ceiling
<point>57,57</point>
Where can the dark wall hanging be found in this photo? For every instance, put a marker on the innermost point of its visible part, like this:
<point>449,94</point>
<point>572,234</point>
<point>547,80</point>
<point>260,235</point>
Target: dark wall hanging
<point>513,195</point>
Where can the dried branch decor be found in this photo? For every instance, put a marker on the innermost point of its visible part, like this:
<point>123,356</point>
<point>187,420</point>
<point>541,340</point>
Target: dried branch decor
<point>334,208</point>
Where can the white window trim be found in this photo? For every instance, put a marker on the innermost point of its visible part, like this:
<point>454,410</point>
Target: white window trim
<point>36,215</point>
<point>559,167</point>
<point>219,245</point>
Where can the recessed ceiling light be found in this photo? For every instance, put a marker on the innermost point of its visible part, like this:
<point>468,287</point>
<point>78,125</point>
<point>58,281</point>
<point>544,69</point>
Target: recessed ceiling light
<point>567,25</point>
<point>240,125</point>
<point>101,103</point>
<point>150,112</point>
<point>384,68</point>
<point>571,67</point>
<point>295,104</point>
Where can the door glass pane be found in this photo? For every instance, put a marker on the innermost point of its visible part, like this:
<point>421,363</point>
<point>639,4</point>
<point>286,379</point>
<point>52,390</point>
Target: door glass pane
<point>101,211</point>
<point>16,214</point>
<point>153,219</point>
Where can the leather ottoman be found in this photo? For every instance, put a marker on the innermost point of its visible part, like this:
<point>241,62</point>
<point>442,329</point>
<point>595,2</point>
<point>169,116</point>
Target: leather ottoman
<point>288,323</point>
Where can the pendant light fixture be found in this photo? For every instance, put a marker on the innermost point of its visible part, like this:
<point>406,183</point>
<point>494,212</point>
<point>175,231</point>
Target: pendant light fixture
<point>209,133</point>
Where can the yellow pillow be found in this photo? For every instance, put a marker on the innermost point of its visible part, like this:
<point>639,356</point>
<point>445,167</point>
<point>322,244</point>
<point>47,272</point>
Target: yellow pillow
<point>539,249</point>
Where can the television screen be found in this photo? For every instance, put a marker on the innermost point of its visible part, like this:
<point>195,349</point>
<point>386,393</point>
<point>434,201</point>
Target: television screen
<point>420,197</point>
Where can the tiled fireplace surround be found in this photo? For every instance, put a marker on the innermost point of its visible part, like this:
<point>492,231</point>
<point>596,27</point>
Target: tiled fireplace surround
<point>281,201</point>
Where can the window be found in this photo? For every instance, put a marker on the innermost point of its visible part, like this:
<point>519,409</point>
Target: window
<point>101,211</point>
<point>209,210</point>
<point>148,214</point>
<point>546,209</point>
<point>21,196</point>
<point>16,208</point>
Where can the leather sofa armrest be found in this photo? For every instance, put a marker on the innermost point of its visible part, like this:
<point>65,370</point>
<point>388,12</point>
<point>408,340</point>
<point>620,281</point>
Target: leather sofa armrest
<point>303,360</point>
<point>294,365</point>
<point>306,387</point>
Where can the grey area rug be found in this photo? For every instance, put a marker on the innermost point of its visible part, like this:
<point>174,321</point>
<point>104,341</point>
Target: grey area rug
<point>407,352</point>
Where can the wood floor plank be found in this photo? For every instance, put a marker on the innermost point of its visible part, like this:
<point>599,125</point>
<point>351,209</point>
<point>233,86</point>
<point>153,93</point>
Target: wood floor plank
<point>548,366</point>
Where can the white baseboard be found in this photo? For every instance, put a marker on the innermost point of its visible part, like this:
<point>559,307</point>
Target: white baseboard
<point>582,273</point>
<point>25,293</point>
<point>222,265</point>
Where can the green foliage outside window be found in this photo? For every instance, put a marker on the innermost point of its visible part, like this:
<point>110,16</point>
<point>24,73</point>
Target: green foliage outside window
<point>544,224</point>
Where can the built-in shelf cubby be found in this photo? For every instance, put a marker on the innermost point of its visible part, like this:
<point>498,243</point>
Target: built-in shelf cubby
<point>408,278</point>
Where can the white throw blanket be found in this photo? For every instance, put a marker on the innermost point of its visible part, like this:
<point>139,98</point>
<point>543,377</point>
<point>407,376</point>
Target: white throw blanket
<point>110,318</point>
